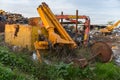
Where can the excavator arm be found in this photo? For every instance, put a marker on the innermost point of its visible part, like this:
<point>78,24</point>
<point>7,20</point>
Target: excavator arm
<point>56,32</point>
<point>110,28</point>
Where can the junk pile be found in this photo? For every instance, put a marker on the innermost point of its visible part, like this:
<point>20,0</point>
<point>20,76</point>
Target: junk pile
<point>11,18</point>
<point>110,32</point>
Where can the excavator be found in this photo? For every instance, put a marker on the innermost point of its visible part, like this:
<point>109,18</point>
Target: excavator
<point>56,35</point>
<point>110,28</point>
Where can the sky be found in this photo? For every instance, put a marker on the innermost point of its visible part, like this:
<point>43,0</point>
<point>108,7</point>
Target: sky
<point>99,11</point>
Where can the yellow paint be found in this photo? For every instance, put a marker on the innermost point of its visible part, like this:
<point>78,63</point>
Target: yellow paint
<point>110,28</point>
<point>57,34</point>
<point>26,36</point>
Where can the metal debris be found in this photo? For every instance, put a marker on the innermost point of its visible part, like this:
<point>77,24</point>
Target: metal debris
<point>11,18</point>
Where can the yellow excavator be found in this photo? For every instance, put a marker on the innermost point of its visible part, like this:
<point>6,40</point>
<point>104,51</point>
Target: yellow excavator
<point>58,37</point>
<point>110,28</point>
<point>55,35</point>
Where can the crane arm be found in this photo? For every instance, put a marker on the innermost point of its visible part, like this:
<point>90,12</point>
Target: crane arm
<point>52,25</point>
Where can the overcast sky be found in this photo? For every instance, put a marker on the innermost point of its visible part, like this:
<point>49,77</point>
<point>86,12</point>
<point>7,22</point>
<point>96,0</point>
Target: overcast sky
<point>99,11</point>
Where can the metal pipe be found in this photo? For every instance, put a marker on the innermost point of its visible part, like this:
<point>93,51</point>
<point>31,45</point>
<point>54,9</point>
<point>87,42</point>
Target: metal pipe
<point>76,21</point>
<point>61,18</point>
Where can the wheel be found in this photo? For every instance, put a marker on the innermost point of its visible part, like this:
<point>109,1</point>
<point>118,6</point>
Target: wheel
<point>102,51</point>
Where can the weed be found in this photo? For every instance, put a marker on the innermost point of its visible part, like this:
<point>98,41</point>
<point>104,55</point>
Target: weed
<point>21,67</point>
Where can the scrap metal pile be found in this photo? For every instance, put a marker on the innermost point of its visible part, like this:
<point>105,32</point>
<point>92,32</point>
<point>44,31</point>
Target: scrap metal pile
<point>13,17</point>
<point>109,36</point>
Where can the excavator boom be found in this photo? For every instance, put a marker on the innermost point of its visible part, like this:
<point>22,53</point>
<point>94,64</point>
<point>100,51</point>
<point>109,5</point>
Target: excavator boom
<point>110,28</point>
<point>56,32</point>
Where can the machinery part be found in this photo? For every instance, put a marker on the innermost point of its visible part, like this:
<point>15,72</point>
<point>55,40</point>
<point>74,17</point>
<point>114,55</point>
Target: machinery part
<point>41,45</point>
<point>101,51</point>
<point>52,26</point>
<point>70,19</point>
<point>38,56</point>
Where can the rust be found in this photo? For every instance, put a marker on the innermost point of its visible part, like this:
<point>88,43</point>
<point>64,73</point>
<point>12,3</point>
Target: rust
<point>76,21</point>
<point>102,50</point>
<point>34,21</point>
<point>2,26</point>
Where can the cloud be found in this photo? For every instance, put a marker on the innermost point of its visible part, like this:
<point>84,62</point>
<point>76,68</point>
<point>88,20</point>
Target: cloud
<point>100,11</point>
<point>111,3</point>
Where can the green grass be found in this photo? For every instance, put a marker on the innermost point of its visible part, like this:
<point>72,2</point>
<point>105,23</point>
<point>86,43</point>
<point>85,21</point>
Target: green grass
<point>15,66</point>
<point>107,71</point>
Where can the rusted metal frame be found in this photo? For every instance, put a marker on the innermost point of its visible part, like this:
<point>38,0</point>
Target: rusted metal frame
<point>86,24</point>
